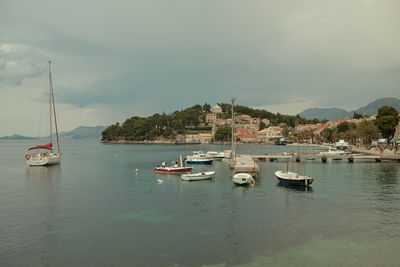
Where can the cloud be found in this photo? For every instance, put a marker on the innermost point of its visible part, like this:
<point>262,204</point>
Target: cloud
<point>141,57</point>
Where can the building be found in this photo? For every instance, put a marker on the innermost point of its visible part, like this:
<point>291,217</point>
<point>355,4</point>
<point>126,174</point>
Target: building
<point>211,117</point>
<point>205,138</point>
<point>266,134</point>
<point>266,122</point>
<point>217,109</point>
<point>248,138</point>
<point>242,119</point>
<point>192,138</point>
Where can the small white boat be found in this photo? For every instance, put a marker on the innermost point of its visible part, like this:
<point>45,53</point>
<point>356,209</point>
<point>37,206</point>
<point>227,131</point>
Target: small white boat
<point>242,178</point>
<point>341,145</point>
<point>198,176</point>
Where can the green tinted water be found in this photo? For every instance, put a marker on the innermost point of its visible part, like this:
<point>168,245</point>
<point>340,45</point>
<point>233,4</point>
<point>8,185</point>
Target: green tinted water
<point>95,210</point>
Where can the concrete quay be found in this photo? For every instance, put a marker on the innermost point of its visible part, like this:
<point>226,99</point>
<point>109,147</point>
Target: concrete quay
<point>245,163</point>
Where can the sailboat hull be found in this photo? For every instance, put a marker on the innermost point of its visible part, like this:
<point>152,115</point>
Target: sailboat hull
<point>44,160</point>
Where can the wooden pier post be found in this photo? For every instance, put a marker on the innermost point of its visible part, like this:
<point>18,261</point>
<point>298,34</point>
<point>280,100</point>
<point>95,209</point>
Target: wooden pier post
<point>324,159</point>
<point>378,160</point>
<point>351,159</point>
<point>298,158</point>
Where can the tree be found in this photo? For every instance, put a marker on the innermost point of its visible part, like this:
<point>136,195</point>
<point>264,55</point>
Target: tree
<point>367,131</point>
<point>206,108</point>
<point>328,134</point>
<point>262,126</point>
<point>357,116</point>
<point>223,133</point>
<point>285,131</point>
<point>343,127</point>
<point>387,120</point>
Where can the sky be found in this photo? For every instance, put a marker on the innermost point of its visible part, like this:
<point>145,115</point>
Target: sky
<point>115,59</point>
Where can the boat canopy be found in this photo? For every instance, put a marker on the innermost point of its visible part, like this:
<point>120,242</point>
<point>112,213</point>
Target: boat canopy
<point>49,146</point>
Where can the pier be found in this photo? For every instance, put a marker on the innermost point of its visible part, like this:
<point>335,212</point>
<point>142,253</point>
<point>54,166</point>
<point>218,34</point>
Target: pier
<point>245,163</point>
<point>361,155</point>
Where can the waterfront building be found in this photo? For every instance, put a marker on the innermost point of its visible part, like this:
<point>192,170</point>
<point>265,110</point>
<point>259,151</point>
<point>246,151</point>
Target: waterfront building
<point>192,138</point>
<point>266,134</point>
<point>217,109</point>
<point>205,138</point>
<point>248,138</point>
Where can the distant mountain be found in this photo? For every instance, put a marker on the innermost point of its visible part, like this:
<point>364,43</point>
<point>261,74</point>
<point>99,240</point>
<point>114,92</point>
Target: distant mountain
<point>372,108</point>
<point>17,137</point>
<point>330,114</point>
<point>84,132</point>
<point>333,114</point>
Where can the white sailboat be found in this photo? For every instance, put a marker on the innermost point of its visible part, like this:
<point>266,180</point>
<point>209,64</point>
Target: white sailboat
<point>45,155</point>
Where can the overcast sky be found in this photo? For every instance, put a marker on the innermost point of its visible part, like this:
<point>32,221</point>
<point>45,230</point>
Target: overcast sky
<point>115,59</point>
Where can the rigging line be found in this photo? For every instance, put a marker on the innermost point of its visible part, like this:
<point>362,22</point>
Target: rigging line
<point>54,110</point>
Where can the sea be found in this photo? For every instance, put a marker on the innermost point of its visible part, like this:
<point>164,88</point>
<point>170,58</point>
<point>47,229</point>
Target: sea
<point>104,206</point>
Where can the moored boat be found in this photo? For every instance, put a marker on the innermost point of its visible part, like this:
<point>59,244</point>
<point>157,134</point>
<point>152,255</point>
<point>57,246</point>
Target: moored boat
<point>200,161</point>
<point>163,168</point>
<point>172,169</point>
<point>198,176</point>
<point>293,178</point>
<point>242,178</point>
<point>48,157</point>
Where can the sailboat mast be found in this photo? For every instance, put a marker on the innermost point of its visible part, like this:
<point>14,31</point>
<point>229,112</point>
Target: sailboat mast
<point>233,152</point>
<point>54,107</point>
<point>50,107</point>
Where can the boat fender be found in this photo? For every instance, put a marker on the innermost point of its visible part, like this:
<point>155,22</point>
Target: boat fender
<point>27,156</point>
<point>252,182</point>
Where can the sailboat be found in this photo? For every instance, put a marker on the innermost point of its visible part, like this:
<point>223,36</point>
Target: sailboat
<point>45,155</point>
<point>293,178</point>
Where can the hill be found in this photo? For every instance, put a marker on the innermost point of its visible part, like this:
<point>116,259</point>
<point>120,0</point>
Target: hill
<point>372,108</point>
<point>333,114</point>
<point>84,132</point>
<point>17,137</point>
<point>330,114</point>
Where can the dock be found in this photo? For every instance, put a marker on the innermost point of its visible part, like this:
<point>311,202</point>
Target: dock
<point>360,155</point>
<point>245,163</point>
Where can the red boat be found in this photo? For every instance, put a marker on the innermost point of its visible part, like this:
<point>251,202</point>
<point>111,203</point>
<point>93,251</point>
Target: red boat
<point>172,169</point>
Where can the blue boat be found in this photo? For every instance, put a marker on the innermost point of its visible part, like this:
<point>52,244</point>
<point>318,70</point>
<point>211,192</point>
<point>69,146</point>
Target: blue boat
<point>200,161</point>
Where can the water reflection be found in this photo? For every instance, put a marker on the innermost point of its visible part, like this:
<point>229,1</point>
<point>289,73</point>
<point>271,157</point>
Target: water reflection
<point>295,188</point>
<point>42,182</point>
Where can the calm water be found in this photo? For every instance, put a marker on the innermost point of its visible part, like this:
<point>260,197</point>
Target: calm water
<point>94,210</point>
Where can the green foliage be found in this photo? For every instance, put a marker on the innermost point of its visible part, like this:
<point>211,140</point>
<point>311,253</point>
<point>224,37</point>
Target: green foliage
<point>328,134</point>
<point>285,131</point>
<point>357,116</point>
<point>343,127</point>
<point>262,126</point>
<point>387,120</point>
<point>223,133</point>
<point>206,108</point>
<point>367,131</point>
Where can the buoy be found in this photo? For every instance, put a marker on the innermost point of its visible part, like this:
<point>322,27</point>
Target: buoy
<point>137,170</point>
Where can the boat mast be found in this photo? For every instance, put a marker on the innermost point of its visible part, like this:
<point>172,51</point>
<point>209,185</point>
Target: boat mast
<point>54,108</point>
<point>50,111</point>
<point>233,152</point>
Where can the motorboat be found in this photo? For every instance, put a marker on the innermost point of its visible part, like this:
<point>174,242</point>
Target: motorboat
<point>200,161</point>
<point>242,178</point>
<point>198,176</point>
<point>334,152</point>
<point>48,157</point>
<point>175,168</point>
<point>199,157</point>
<point>341,145</point>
